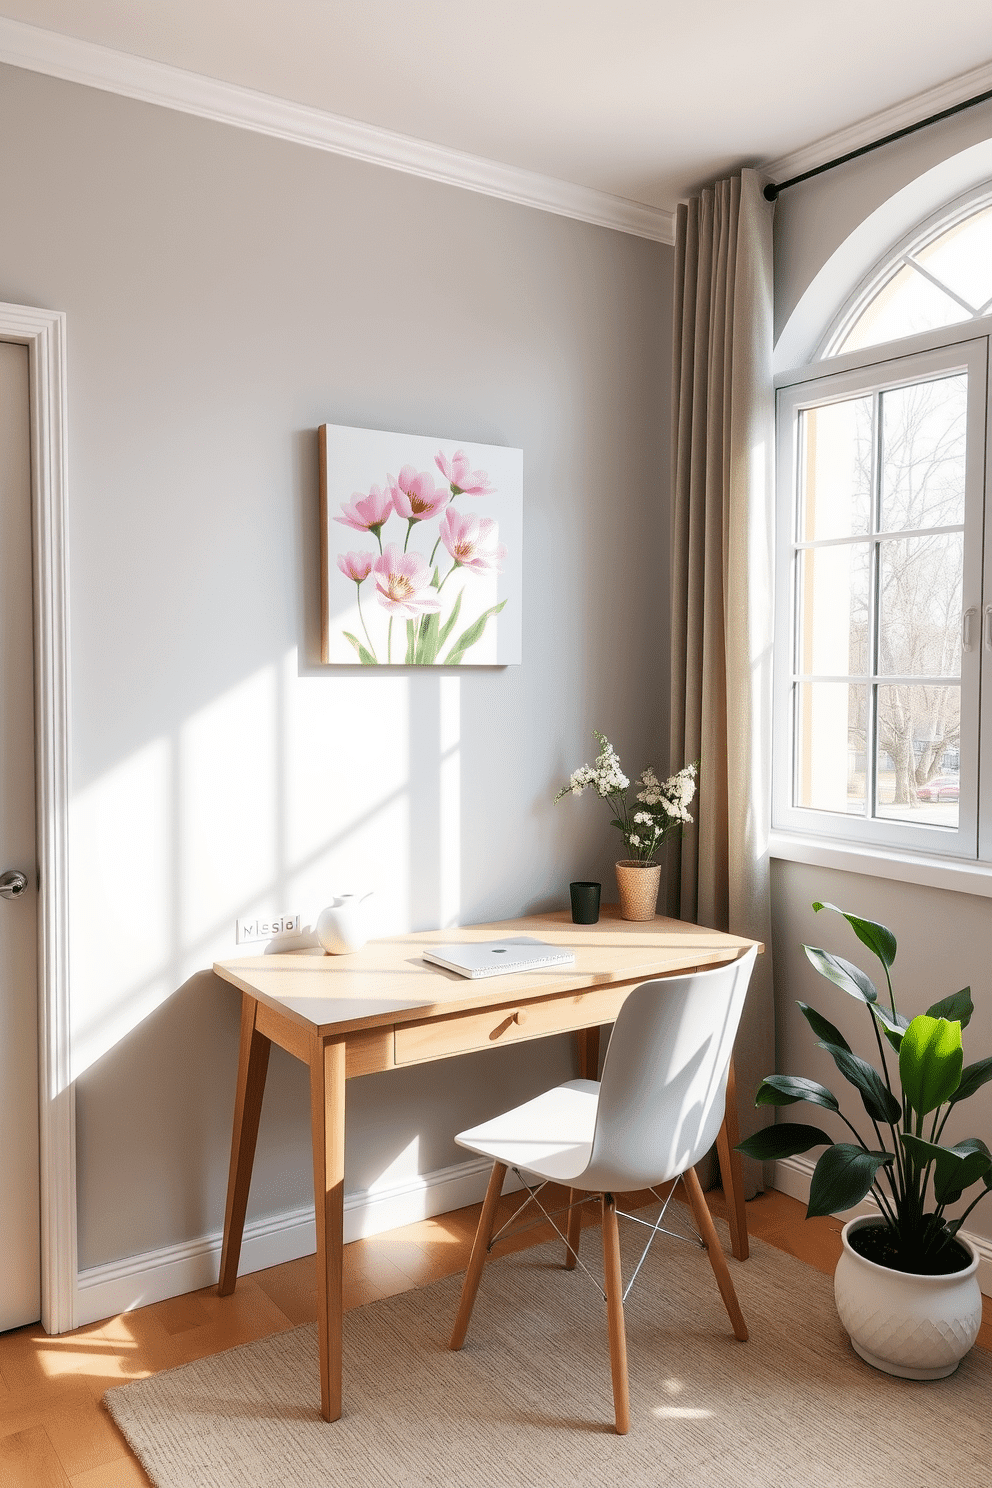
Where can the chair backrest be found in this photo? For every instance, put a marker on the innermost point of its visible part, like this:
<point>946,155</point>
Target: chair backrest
<point>664,1084</point>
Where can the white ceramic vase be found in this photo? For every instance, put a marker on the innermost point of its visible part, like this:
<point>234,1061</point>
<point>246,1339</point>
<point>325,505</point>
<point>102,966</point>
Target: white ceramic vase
<point>344,925</point>
<point>918,1327</point>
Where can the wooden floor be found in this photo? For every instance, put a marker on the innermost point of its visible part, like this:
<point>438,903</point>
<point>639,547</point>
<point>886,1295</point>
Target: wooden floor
<point>54,1430</point>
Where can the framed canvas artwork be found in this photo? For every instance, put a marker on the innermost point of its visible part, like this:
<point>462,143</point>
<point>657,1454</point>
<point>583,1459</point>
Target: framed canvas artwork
<point>420,545</point>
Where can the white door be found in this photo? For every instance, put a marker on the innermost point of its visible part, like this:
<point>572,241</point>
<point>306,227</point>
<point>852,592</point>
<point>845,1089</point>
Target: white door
<point>20,1222</point>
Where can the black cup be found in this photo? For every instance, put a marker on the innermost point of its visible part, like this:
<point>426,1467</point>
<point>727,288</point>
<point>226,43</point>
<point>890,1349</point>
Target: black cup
<point>585,902</point>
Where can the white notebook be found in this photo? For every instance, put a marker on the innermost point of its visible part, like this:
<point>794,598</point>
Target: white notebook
<point>486,958</point>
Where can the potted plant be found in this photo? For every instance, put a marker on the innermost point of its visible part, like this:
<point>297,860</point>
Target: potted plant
<point>906,1284</point>
<point>657,809</point>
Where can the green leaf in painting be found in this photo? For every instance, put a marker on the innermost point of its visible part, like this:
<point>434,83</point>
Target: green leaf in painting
<point>473,634</point>
<point>842,1178</point>
<point>411,642</point>
<point>876,937</point>
<point>783,1140</point>
<point>785,1090</point>
<point>844,974</point>
<point>449,624</point>
<point>363,654</point>
<point>428,641</point>
<point>930,1061</point>
<point>973,1077</point>
<point>822,1027</point>
<point>876,1096</point>
<point>957,1008</point>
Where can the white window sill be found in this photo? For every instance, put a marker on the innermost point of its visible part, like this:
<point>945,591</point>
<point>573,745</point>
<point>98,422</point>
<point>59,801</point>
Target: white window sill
<point>963,877</point>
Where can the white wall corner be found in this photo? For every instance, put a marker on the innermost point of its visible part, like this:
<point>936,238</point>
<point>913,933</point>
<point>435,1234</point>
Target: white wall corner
<point>136,1281</point>
<point>792,1175</point>
<point>94,66</point>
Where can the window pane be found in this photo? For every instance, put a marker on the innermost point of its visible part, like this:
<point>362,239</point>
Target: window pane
<point>923,454</point>
<point>831,746</point>
<point>918,731</point>
<point>962,258</point>
<point>836,444</point>
<point>919,631</point>
<point>907,304</point>
<point>833,609</point>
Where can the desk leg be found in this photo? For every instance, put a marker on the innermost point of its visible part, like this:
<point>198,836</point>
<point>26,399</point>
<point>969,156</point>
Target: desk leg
<point>327,1127</point>
<point>588,1053</point>
<point>253,1064</point>
<point>731,1172</point>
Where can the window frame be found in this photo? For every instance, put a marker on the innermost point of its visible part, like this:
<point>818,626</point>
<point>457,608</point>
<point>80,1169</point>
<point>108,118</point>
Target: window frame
<point>875,369</point>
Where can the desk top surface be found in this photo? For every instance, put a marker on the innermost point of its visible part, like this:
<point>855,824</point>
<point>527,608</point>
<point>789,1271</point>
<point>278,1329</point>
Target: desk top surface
<point>389,982</point>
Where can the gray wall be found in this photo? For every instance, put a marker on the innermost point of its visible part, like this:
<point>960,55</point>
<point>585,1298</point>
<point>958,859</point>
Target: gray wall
<point>945,938</point>
<point>226,294</point>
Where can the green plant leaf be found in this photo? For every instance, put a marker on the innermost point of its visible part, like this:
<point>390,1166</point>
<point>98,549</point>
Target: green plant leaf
<point>930,1060</point>
<point>449,624</point>
<point>956,1168</point>
<point>471,635</point>
<point>973,1077</point>
<point>411,643</point>
<point>842,1177</point>
<point>844,974</point>
<point>783,1140</point>
<point>363,654</point>
<point>876,937</point>
<point>876,1096</point>
<point>785,1090</point>
<point>892,1027</point>
<point>957,1008</point>
<point>821,1026</point>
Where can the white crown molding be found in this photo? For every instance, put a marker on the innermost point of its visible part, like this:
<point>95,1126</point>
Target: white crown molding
<point>101,67</point>
<point>877,126</point>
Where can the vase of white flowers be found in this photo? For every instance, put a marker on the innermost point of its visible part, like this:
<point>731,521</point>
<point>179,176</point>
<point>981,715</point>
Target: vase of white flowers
<point>644,817</point>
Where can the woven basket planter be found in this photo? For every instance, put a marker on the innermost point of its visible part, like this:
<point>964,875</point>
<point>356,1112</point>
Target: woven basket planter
<point>638,884</point>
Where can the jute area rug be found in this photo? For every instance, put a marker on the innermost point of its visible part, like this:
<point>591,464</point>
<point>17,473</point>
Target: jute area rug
<point>528,1401</point>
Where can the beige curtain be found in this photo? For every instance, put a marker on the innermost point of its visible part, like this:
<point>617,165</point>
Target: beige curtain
<point>723,434</point>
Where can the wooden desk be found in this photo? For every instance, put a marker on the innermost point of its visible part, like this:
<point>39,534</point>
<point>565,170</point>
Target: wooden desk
<point>384,1008</point>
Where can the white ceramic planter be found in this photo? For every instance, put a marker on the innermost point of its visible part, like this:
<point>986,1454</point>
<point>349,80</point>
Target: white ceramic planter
<point>343,926</point>
<point>919,1327</point>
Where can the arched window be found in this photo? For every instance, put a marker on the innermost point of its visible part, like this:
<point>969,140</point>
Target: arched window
<point>942,276</point>
<point>883,663</point>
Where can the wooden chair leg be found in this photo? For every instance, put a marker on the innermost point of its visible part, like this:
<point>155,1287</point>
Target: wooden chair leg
<point>574,1230</point>
<point>704,1221</point>
<point>732,1172</point>
<point>614,1312</point>
<point>476,1261</point>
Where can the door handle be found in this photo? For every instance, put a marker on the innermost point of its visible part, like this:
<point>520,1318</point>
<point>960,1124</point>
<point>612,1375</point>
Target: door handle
<point>12,883</point>
<point>967,628</point>
<point>988,626</point>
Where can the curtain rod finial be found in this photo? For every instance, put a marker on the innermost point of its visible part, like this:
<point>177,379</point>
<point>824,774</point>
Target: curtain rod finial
<point>770,192</point>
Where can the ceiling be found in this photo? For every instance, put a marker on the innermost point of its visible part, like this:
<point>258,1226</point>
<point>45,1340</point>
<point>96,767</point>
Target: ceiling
<point>644,99</point>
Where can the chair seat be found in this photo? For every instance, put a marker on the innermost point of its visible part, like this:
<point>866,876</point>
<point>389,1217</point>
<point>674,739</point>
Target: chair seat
<point>550,1136</point>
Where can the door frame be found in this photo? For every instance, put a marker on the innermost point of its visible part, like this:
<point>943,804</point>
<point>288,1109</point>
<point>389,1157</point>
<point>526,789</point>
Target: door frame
<point>43,332</point>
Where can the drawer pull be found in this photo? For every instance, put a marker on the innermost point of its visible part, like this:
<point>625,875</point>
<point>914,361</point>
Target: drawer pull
<point>520,1016</point>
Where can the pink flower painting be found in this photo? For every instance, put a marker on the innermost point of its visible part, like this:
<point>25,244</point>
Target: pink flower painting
<point>471,542</point>
<point>458,472</point>
<point>437,591</point>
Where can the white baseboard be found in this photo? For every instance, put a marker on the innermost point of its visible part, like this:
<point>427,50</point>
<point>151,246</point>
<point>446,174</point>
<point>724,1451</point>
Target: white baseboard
<point>791,1175</point>
<point>119,1286</point>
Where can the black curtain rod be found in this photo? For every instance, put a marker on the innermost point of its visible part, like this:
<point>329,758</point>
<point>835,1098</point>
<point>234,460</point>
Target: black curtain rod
<point>772,190</point>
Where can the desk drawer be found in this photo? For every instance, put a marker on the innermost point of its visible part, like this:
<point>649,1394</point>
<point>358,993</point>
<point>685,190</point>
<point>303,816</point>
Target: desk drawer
<point>511,1024</point>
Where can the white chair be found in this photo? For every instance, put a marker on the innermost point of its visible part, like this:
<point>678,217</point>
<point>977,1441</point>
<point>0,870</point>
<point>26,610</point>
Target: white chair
<point>655,1112</point>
